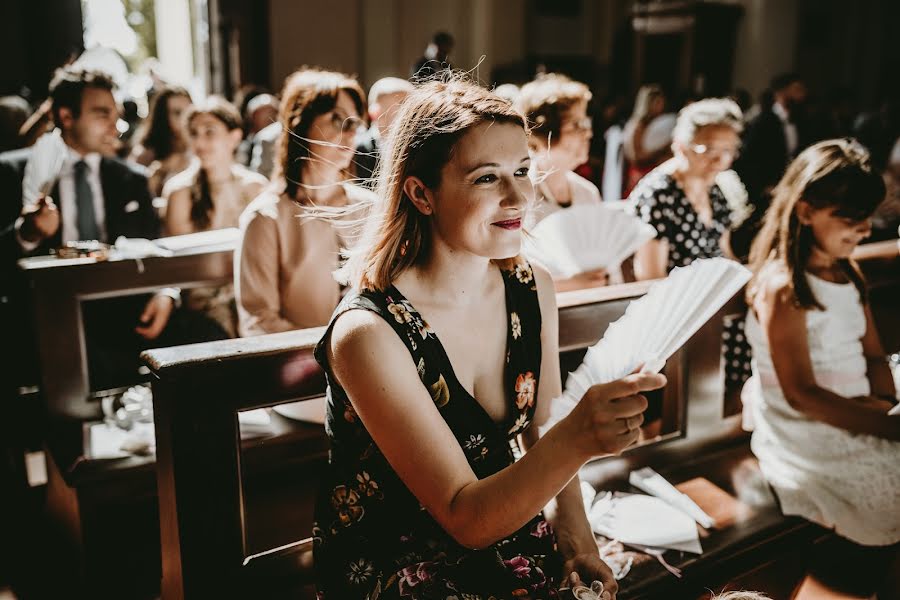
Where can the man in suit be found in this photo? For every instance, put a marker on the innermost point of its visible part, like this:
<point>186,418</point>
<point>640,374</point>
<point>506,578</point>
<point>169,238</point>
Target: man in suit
<point>96,197</point>
<point>770,141</point>
<point>436,58</point>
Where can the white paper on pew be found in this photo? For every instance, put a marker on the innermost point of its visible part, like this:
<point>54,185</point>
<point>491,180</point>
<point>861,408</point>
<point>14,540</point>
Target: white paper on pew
<point>109,441</point>
<point>645,521</point>
<point>308,411</point>
<point>650,482</point>
<point>131,248</point>
<point>254,423</point>
<point>201,239</point>
<point>895,410</point>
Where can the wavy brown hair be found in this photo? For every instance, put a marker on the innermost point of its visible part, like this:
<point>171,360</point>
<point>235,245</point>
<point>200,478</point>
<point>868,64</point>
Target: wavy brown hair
<point>308,93</point>
<point>420,142</point>
<point>834,174</point>
<point>201,198</point>
<point>156,132</point>
<point>546,103</point>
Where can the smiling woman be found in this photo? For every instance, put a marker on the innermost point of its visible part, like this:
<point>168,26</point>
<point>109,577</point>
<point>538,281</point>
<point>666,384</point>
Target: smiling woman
<point>443,354</point>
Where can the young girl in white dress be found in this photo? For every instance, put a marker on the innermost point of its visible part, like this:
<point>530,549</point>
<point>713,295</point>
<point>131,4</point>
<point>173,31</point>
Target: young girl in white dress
<point>821,389</point>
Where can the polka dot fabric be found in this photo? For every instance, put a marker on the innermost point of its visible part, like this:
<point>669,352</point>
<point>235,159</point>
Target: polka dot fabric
<point>660,202</point>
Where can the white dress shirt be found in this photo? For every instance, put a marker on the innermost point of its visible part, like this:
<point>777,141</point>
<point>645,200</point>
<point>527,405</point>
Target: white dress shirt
<point>790,130</point>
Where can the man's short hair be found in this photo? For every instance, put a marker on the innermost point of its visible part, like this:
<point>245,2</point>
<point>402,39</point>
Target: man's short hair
<point>68,85</point>
<point>783,80</point>
<point>442,38</point>
<point>387,86</point>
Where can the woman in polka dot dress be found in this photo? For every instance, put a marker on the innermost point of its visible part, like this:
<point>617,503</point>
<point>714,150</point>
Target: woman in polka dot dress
<point>692,215</point>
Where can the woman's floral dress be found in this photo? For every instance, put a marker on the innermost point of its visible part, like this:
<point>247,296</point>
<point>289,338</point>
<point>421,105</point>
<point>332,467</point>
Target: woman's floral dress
<point>373,539</point>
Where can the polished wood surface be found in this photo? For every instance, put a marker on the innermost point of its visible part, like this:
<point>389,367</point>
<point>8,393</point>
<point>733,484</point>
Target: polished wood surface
<point>278,369</point>
<point>59,286</point>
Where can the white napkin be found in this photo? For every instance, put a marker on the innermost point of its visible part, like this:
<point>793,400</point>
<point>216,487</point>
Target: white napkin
<point>645,522</point>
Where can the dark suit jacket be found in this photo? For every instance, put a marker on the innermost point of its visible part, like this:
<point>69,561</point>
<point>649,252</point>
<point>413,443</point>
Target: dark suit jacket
<point>366,158</point>
<point>126,195</point>
<point>124,185</point>
<point>764,155</point>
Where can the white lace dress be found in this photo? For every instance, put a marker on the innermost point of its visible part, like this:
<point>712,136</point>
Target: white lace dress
<point>841,480</point>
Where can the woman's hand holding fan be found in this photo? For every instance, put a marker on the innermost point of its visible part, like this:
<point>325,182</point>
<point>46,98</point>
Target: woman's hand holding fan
<point>608,417</point>
<point>654,327</point>
<point>586,238</point>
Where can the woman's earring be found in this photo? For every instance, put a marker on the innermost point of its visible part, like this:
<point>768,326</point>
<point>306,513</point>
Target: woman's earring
<point>420,194</point>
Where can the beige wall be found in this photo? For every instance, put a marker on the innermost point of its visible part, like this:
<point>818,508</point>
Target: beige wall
<point>766,43</point>
<point>379,38</point>
<point>326,33</point>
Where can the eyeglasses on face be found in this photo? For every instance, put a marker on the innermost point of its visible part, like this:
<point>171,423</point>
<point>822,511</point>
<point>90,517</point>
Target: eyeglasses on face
<point>713,152</point>
<point>344,123</point>
<point>582,124</point>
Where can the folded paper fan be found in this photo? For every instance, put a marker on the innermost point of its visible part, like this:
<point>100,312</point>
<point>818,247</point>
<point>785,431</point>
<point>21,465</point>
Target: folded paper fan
<point>585,238</point>
<point>655,326</point>
<point>43,167</point>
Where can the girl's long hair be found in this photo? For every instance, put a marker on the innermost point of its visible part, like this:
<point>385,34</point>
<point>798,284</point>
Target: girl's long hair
<point>420,142</point>
<point>201,198</point>
<point>831,174</point>
<point>156,133</point>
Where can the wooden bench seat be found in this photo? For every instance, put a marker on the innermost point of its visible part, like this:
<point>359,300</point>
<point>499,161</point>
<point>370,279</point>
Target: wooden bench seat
<point>273,369</point>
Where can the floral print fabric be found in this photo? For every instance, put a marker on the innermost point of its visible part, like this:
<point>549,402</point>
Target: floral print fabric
<point>372,537</point>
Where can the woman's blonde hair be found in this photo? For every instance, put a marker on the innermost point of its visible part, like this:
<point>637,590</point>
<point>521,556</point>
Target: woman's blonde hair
<point>831,174</point>
<point>644,100</point>
<point>419,143</point>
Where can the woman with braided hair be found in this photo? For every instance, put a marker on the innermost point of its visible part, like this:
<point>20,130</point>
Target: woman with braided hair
<point>211,194</point>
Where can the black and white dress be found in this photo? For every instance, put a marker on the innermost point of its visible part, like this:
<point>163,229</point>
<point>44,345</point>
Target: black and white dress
<point>660,201</point>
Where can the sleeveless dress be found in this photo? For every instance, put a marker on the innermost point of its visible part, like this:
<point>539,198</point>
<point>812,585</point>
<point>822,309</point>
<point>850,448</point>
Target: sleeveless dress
<point>841,480</point>
<point>372,537</point>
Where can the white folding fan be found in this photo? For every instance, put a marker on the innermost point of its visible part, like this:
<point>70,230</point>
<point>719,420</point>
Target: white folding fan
<point>655,326</point>
<point>585,238</point>
<point>43,167</point>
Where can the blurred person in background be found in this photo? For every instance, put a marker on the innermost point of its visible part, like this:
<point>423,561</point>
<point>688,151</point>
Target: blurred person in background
<point>556,109</point>
<point>14,111</point>
<point>284,262</point>
<point>385,96</point>
<point>211,194</point>
<point>645,148</point>
<point>161,142</point>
